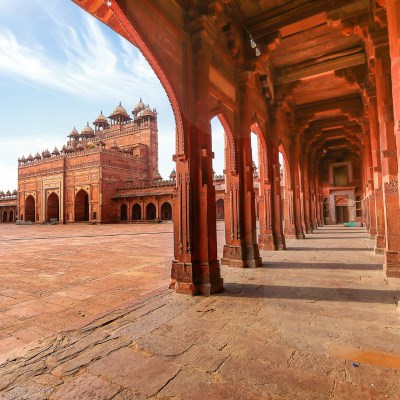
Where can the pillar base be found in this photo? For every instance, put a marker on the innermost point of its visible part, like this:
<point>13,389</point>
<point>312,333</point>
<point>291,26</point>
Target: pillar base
<point>266,242</point>
<point>372,233</point>
<point>241,256</point>
<point>196,278</point>
<point>391,265</point>
<point>279,241</point>
<point>290,232</point>
<point>379,244</point>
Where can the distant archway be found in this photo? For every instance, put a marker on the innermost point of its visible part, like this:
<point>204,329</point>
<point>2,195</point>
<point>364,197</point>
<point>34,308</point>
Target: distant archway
<point>136,212</point>
<point>30,213</point>
<point>5,216</point>
<point>220,209</point>
<point>53,207</point>
<point>11,216</point>
<point>166,211</point>
<point>124,212</point>
<point>150,211</point>
<point>82,206</point>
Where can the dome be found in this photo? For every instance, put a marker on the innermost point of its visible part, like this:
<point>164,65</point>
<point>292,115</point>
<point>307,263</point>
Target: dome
<point>87,131</point>
<point>29,158</point>
<point>8,193</point>
<point>80,147</point>
<point>37,156</point>
<point>64,149</point>
<point>102,118</point>
<point>23,159</point>
<point>74,133</point>
<point>56,152</point>
<point>15,192</point>
<point>119,110</point>
<point>139,106</point>
<point>2,194</point>
<point>46,154</point>
<point>70,149</point>
<point>172,175</point>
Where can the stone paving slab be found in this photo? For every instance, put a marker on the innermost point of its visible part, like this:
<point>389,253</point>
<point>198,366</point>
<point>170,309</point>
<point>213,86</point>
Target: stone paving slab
<point>318,321</point>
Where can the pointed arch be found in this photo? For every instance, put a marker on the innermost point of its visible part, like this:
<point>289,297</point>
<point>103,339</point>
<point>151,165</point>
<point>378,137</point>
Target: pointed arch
<point>53,207</point>
<point>81,206</point>
<point>30,209</point>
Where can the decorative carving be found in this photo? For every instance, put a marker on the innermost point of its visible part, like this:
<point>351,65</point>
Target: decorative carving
<point>389,153</point>
<point>391,188</point>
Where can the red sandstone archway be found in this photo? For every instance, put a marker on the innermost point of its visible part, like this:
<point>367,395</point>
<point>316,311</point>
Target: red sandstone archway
<point>124,212</point>
<point>11,216</point>
<point>150,211</point>
<point>136,212</point>
<point>5,219</point>
<point>30,209</point>
<point>81,206</point>
<point>220,209</point>
<point>53,207</point>
<point>166,211</point>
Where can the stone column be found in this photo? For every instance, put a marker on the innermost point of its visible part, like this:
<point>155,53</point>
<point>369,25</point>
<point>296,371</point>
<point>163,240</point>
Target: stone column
<point>393,18</point>
<point>306,195</point>
<point>276,205</point>
<point>377,197</point>
<point>297,199</point>
<point>195,268</point>
<point>388,160</point>
<point>289,230</point>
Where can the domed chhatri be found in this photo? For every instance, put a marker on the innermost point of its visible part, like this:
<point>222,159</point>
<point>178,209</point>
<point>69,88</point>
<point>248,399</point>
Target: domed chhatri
<point>74,135</point>
<point>87,132</point>
<point>119,116</point>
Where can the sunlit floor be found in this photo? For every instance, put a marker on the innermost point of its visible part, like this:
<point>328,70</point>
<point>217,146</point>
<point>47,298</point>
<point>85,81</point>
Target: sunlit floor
<point>85,313</point>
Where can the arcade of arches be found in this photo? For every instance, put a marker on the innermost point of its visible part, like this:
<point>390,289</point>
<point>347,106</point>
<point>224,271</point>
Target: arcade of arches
<point>318,81</point>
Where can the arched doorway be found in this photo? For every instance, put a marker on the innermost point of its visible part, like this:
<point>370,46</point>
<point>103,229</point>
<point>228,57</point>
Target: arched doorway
<point>53,207</point>
<point>5,216</point>
<point>220,209</point>
<point>342,210</point>
<point>124,212</point>
<point>166,211</point>
<point>81,206</point>
<point>136,212</point>
<point>30,209</point>
<point>150,212</point>
<point>11,216</point>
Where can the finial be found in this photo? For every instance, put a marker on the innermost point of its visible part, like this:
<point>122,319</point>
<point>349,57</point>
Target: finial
<point>119,103</point>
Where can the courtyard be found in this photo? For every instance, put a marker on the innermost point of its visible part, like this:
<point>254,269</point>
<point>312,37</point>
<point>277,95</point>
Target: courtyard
<point>86,313</point>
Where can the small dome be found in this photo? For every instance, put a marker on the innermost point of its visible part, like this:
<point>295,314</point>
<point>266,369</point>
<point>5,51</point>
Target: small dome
<point>172,175</point>
<point>139,106</point>
<point>15,192</point>
<point>102,118</point>
<point>70,149</point>
<point>8,193</point>
<point>56,152</point>
<point>119,110</point>
<point>2,194</point>
<point>74,133</point>
<point>37,156</point>
<point>29,158</point>
<point>23,159</point>
<point>46,153</point>
<point>64,149</point>
<point>80,147</point>
<point>87,131</point>
<point>157,176</point>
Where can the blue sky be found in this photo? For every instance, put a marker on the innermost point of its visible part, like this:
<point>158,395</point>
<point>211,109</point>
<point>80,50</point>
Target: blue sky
<point>59,67</point>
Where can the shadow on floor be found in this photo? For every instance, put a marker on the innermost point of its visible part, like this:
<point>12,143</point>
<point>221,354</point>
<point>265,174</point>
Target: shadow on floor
<point>249,290</point>
<point>336,237</point>
<point>293,265</point>
<point>318,249</point>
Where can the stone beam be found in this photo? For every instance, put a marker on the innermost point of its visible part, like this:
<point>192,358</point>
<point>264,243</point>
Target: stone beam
<point>334,64</point>
<point>290,13</point>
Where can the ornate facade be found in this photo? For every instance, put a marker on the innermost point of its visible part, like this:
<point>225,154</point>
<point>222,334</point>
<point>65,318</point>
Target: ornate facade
<point>79,182</point>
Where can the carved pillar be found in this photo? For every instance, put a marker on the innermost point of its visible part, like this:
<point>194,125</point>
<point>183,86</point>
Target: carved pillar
<point>242,249</point>
<point>195,268</point>
<point>265,238</point>
<point>389,161</point>
<point>306,195</point>
<point>289,230</point>
<point>393,19</point>
<point>276,200</point>
<point>297,198</point>
<point>370,197</point>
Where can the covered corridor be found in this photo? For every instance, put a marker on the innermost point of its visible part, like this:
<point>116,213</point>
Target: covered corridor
<point>319,320</point>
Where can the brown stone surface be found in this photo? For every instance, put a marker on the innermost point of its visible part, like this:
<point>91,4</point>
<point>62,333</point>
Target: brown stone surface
<point>290,330</point>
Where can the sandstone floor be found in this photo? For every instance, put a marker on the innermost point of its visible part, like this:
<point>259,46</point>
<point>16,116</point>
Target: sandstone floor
<point>85,313</point>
